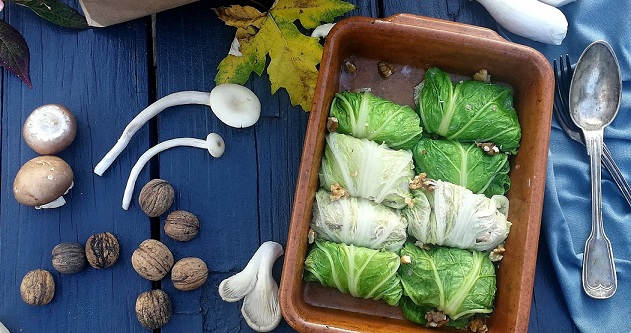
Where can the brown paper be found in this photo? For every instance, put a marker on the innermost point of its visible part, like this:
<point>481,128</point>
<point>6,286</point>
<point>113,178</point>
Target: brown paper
<point>102,13</point>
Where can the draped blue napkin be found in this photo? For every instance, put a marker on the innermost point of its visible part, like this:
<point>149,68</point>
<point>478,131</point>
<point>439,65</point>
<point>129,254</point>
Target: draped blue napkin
<point>566,218</point>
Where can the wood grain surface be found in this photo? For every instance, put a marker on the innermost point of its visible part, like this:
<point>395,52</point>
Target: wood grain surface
<point>106,76</point>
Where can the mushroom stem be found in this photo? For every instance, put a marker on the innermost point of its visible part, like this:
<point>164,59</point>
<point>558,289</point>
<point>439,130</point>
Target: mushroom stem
<point>178,98</point>
<point>213,143</point>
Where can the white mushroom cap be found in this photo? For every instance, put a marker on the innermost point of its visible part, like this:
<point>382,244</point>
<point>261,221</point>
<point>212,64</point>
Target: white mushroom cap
<point>216,145</point>
<point>42,180</point>
<point>49,129</point>
<point>235,105</point>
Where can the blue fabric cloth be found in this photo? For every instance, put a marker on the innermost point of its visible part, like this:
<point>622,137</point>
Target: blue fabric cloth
<point>566,217</point>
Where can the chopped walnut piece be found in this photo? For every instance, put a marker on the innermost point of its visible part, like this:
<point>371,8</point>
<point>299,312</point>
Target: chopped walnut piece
<point>478,326</point>
<point>421,181</point>
<point>489,147</point>
<point>423,246</point>
<point>337,191</point>
<point>349,67</point>
<point>406,260</point>
<point>498,253</point>
<point>311,236</point>
<point>482,75</point>
<point>332,124</point>
<point>385,69</point>
<point>436,319</point>
<point>409,202</point>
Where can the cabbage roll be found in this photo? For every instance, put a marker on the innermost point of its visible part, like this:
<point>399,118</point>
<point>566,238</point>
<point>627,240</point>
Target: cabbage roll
<point>447,214</point>
<point>463,164</point>
<point>366,169</point>
<point>358,271</point>
<point>456,282</point>
<point>468,111</point>
<point>359,222</point>
<point>364,115</point>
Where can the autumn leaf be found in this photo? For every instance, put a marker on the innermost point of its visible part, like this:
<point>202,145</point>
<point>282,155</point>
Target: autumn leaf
<point>14,53</point>
<point>294,57</point>
<point>56,12</point>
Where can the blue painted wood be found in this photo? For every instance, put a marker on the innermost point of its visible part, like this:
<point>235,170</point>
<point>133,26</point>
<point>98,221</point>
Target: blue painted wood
<point>101,76</point>
<point>242,199</point>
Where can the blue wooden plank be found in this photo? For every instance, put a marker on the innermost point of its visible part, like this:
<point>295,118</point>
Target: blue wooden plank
<point>101,76</point>
<point>222,192</point>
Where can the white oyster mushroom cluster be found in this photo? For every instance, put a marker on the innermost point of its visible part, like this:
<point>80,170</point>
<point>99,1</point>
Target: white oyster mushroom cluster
<point>258,289</point>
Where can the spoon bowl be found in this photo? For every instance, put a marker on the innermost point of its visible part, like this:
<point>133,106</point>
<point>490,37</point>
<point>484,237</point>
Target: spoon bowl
<point>595,89</point>
<point>595,93</point>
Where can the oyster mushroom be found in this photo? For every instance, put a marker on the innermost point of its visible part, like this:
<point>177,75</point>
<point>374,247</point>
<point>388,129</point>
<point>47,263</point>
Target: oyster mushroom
<point>42,181</point>
<point>49,129</point>
<point>258,289</point>
<point>235,105</point>
<point>213,143</point>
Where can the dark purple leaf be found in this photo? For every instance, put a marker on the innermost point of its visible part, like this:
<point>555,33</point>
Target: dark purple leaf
<point>56,12</point>
<point>14,53</point>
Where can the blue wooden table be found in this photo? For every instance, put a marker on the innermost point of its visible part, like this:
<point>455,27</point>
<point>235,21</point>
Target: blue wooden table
<point>105,76</point>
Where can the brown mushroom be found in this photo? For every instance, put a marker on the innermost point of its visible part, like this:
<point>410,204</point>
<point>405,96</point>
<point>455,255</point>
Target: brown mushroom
<point>42,182</point>
<point>49,129</point>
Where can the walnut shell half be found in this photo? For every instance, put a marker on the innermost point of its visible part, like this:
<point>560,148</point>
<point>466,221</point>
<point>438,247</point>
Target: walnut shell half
<point>189,274</point>
<point>153,309</point>
<point>102,250</point>
<point>152,260</point>
<point>156,197</point>
<point>181,225</point>
<point>38,287</point>
<point>68,258</point>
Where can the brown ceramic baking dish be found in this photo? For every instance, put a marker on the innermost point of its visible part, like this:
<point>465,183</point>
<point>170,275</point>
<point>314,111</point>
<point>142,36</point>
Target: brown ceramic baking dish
<point>412,44</point>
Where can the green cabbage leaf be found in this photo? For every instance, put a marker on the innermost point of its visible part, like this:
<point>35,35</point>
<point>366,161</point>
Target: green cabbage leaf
<point>358,271</point>
<point>463,164</point>
<point>468,110</point>
<point>459,283</point>
<point>364,115</point>
<point>367,169</point>
<point>359,222</point>
<point>452,215</point>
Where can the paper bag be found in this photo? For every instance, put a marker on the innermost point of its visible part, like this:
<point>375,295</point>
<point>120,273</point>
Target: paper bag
<point>101,13</point>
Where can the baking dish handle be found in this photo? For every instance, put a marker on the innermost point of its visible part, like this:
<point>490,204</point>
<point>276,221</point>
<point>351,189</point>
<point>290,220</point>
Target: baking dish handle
<point>444,25</point>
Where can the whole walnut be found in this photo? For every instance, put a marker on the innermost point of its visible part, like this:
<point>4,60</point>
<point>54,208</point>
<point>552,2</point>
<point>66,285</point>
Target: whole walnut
<point>189,274</point>
<point>38,287</point>
<point>69,258</point>
<point>156,197</point>
<point>181,225</point>
<point>102,250</point>
<point>153,309</point>
<point>152,260</point>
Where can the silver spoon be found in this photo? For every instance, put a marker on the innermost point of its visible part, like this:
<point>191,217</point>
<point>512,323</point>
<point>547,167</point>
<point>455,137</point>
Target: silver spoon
<point>595,93</point>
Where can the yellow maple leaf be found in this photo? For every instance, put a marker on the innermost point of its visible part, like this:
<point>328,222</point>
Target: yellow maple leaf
<point>293,56</point>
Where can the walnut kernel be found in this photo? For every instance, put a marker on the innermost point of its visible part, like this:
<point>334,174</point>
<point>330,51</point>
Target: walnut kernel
<point>153,309</point>
<point>152,260</point>
<point>156,197</point>
<point>189,274</point>
<point>102,250</point>
<point>38,287</point>
<point>181,225</point>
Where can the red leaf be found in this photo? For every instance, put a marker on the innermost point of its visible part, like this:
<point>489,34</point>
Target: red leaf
<point>14,53</point>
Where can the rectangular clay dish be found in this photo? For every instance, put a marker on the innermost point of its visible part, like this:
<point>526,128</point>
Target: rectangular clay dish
<point>414,43</point>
